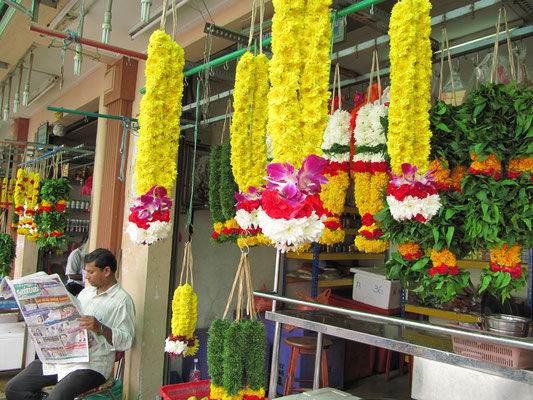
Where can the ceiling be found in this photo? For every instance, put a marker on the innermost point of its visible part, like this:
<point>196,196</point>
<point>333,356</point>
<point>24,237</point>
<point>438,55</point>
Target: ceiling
<point>17,40</point>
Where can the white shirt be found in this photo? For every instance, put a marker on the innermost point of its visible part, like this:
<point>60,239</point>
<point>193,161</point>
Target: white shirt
<point>115,309</point>
<point>75,265</point>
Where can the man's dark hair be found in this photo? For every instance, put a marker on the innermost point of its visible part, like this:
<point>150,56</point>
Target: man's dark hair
<point>102,258</point>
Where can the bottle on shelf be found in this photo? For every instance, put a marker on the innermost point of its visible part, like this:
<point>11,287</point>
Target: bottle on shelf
<point>195,374</point>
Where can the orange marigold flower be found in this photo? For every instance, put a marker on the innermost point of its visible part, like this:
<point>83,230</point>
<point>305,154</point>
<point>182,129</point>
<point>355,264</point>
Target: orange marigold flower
<point>445,257</point>
<point>441,174</point>
<point>408,248</point>
<point>506,257</point>
<point>458,174</point>
<point>491,162</point>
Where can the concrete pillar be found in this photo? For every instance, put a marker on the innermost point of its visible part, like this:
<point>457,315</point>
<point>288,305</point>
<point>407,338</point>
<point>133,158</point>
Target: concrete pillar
<point>118,98</point>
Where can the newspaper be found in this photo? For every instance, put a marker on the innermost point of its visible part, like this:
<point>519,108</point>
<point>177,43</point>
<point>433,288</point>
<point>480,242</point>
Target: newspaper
<point>50,314</point>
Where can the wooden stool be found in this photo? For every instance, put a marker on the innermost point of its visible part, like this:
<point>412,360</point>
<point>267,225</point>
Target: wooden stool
<point>304,345</point>
<point>400,367</point>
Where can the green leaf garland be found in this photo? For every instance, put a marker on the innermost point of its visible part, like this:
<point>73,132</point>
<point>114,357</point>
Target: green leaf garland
<point>215,350</point>
<point>214,185</point>
<point>7,254</point>
<point>255,333</point>
<point>228,187</point>
<point>234,358</point>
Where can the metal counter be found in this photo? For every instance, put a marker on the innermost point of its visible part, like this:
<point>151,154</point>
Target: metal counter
<point>394,336</point>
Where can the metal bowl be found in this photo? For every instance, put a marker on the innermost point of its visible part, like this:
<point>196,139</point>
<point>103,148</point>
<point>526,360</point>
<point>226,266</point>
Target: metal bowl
<point>507,324</point>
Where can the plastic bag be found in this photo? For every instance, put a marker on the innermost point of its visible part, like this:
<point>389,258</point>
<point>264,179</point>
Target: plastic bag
<point>456,85</point>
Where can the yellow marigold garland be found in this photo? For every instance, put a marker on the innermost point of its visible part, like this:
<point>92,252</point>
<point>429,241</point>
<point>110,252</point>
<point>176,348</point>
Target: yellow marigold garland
<point>489,165</point>
<point>444,256</point>
<point>314,94</point>
<point>3,199</point>
<point>457,176</point>
<point>160,114</point>
<point>409,248</point>
<point>299,72</point>
<point>184,317</point>
<point>410,56</point>
<point>521,164</point>
<point>441,174</point>
<point>21,188</point>
<point>333,199</point>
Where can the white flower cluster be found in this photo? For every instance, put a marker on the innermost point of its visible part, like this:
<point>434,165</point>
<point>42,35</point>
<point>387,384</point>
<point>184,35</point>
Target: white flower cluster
<point>337,132</point>
<point>247,220</point>
<point>291,234</point>
<point>157,231</point>
<point>369,157</point>
<point>411,206</point>
<point>178,348</point>
<point>368,129</point>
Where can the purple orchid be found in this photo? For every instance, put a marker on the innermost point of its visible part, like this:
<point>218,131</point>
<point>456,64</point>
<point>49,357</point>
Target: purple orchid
<point>154,200</point>
<point>293,185</point>
<point>411,177</point>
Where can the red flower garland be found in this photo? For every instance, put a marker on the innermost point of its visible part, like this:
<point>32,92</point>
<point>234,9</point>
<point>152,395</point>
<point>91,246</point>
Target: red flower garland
<point>515,272</point>
<point>444,269</point>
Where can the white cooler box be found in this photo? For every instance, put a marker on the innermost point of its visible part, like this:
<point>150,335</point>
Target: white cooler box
<point>370,286</point>
<point>11,345</point>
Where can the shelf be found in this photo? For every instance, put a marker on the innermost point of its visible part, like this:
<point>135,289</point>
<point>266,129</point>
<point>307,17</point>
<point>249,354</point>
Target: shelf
<point>350,210</point>
<point>322,283</point>
<point>434,312</point>
<point>338,256</point>
<point>350,231</point>
<point>476,264</point>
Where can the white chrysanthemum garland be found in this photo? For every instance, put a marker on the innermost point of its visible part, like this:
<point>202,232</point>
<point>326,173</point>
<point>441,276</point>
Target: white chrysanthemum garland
<point>336,151</point>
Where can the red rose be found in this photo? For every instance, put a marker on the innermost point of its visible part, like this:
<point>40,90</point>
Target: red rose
<point>274,206</point>
<point>420,218</point>
<point>513,174</point>
<point>516,273</point>
<point>61,207</point>
<point>333,168</point>
<point>379,167</point>
<point>332,225</point>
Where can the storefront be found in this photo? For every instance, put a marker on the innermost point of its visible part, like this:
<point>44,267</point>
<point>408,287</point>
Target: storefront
<point>98,119</point>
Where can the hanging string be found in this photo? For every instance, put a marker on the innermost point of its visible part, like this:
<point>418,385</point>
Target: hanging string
<point>174,20</point>
<point>163,22</point>
<point>496,48</point>
<point>186,265</point>
<point>445,32</point>
<point>252,23</point>
<point>261,17</point>
<point>509,47</point>
<point>226,118</point>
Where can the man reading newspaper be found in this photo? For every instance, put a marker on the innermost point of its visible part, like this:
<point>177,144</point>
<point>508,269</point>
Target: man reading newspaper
<point>109,314</point>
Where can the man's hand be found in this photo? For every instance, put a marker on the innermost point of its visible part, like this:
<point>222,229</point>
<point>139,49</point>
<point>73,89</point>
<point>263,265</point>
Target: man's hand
<point>90,323</point>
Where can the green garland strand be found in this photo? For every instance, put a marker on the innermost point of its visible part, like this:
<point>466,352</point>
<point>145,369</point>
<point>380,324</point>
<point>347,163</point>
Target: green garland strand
<point>215,351</point>
<point>255,360</point>
<point>234,359</point>
<point>214,185</point>
<point>7,254</point>
<point>228,187</point>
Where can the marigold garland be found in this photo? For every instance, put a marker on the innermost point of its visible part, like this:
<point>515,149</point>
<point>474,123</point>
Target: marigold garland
<point>518,165</point>
<point>299,75</point>
<point>457,176</point>
<point>21,190</point>
<point>410,250</point>
<point>441,173</point>
<point>410,72</point>
<point>182,341</point>
<point>160,114</point>
<point>51,219</point>
<point>248,126</point>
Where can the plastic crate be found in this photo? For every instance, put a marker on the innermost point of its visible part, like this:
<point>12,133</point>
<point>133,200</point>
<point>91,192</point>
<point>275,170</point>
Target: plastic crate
<point>183,391</point>
<point>506,356</point>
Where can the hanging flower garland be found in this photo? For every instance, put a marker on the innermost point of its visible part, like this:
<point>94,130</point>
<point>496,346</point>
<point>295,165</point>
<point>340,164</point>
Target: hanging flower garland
<point>487,165</point>
<point>51,219</point>
<point>314,94</point>
<point>7,254</point>
<point>370,175</point>
<point>504,274</point>
<point>21,189</point>
<point>159,120</point>
<point>409,132</point>
<point>215,358</point>
<point>248,126</point>
<point>299,74</point>
<point>446,280</point>
<point>408,265</point>
<point>182,342</point>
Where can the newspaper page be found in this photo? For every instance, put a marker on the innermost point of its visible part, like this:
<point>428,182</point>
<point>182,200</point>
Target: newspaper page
<point>50,315</point>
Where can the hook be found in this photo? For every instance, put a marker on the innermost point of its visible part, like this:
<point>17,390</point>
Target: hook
<point>473,11</point>
<point>211,72</point>
<point>226,66</point>
<point>372,9</point>
<point>185,82</point>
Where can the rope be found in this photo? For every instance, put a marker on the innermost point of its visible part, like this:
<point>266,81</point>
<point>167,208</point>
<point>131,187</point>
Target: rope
<point>261,17</point>
<point>228,110</point>
<point>163,22</point>
<point>252,23</point>
<point>186,265</point>
<point>450,65</point>
<point>509,48</point>
<point>174,20</point>
<point>496,47</point>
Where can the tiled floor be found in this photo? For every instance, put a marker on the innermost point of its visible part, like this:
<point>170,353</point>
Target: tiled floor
<point>375,387</point>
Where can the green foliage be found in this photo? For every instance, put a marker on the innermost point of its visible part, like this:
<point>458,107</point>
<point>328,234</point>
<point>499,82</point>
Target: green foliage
<point>214,185</point>
<point>215,350</point>
<point>501,120</point>
<point>443,287</point>
<point>449,125</point>
<point>234,358</point>
<point>255,334</point>
<point>500,283</point>
<point>55,189</point>
<point>410,273</point>
<point>337,148</point>
<point>7,254</point>
<point>380,148</point>
<point>228,187</point>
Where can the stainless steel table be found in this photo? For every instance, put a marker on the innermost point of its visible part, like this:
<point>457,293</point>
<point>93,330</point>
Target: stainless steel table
<point>394,336</point>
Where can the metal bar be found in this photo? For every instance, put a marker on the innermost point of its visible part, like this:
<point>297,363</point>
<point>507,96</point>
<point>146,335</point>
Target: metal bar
<point>207,121</point>
<point>462,11</point>
<point>318,361</point>
<point>277,335</point>
<point>18,7</point>
<point>45,155</point>
<point>90,114</point>
<point>215,97</point>
<point>522,343</point>
<point>88,42</point>
<point>314,274</point>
